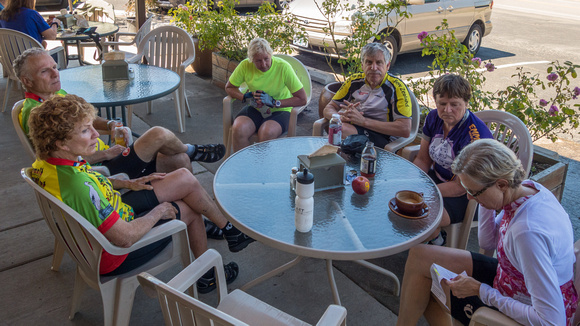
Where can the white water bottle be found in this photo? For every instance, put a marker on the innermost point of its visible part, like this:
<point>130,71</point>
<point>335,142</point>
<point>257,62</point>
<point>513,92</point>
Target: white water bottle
<point>304,202</point>
<point>335,130</point>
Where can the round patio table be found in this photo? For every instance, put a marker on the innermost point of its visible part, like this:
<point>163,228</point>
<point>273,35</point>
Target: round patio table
<point>66,36</point>
<point>149,83</point>
<point>252,187</point>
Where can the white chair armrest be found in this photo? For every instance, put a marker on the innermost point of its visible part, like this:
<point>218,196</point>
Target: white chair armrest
<point>102,170</point>
<point>135,59</point>
<point>119,34</point>
<point>334,315</point>
<point>155,234</point>
<point>319,126</point>
<point>410,152</point>
<point>486,316</point>
<point>120,176</point>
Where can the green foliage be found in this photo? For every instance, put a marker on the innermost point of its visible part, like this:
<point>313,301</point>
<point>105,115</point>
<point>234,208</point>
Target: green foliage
<point>544,117</point>
<point>228,32</point>
<point>351,29</point>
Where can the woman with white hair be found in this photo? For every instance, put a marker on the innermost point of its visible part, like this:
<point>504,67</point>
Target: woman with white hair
<point>273,89</point>
<point>531,281</point>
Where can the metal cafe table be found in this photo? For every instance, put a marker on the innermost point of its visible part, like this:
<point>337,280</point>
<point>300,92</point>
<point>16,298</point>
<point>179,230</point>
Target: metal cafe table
<point>252,188</point>
<point>149,83</point>
<point>103,29</point>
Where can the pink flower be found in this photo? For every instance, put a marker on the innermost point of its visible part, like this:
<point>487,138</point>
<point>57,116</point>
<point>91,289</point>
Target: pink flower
<point>553,76</point>
<point>476,61</point>
<point>422,36</point>
<point>490,66</point>
<point>543,102</point>
<point>553,110</point>
<point>576,92</point>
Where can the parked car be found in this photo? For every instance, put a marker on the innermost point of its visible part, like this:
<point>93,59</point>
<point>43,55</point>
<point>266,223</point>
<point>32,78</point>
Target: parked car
<point>470,19</point>
<point>51,5</point>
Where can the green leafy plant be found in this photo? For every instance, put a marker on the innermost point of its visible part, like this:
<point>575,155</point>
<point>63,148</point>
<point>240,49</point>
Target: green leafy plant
<point>543,102</point>
<point>230,33</point>
<point>351,26</point>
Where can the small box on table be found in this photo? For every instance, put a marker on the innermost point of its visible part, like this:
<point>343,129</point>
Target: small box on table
<point>115,67</point>
<point>328,170</point>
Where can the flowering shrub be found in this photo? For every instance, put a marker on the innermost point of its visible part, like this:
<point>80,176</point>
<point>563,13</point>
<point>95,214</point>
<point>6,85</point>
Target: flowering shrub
<point>230,33</point>
<point>542,102</point>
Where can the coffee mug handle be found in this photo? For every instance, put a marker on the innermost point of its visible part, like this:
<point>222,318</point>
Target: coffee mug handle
<point>421,194</point>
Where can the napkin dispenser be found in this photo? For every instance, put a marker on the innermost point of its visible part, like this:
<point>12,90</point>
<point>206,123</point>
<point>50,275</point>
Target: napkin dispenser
<point>328,170</point>
<point>67,19</point>
<point>115,67</point>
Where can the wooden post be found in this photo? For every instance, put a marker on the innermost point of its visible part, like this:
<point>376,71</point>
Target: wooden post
<point>70,6</point>
<point>140,12</point>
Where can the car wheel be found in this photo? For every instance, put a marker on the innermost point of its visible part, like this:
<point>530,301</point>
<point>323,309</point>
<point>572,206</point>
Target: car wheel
<point>391,43</point>
<point>473,39</point>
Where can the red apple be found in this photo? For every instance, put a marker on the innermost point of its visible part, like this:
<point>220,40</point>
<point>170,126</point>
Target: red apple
<point>361,185</point>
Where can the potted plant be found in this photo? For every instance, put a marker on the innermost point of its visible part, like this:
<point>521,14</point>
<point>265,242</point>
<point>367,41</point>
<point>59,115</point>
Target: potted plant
<point>228,34</point>
<point>544,102</point>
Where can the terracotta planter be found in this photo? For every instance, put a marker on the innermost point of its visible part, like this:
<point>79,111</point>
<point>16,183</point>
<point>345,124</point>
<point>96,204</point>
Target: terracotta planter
<point>326,95</point>
<point>554,177</point>
<point>203,61</point>
<point>222,69</point>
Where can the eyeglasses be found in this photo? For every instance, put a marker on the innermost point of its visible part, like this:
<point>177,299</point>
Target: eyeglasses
<point>477,193</point>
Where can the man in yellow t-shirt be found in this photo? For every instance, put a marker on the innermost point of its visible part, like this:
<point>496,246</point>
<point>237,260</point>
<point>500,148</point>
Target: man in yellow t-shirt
<point>273,89</point>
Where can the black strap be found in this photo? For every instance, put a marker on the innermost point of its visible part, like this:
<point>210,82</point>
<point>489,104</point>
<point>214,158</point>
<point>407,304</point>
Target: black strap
<point>97,39</point>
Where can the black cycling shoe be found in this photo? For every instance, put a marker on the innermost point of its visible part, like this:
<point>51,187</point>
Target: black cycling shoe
<point>213,231</point>
<point>238,241</point>
<point>206,285</point>
<point>208,153</point>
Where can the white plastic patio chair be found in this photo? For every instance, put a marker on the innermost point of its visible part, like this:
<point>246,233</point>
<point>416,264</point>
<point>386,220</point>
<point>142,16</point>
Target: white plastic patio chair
<point>85,244</point>
<point>12,44</point>
<point>172,48</point>
<point>322,123</point>
<point>135,40</point>
<point>235,308</point>
<point>489,317</point>
<point>509,130</point>
<point>228,104</point>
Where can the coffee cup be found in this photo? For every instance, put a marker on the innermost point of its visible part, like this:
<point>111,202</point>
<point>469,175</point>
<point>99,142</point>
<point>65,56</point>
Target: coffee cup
<point>409,202</point>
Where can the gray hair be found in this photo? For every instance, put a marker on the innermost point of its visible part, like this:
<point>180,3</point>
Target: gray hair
<point>373,48</point>
<point>259,45</point>
<point>21,61</point>
<point>488,160</point>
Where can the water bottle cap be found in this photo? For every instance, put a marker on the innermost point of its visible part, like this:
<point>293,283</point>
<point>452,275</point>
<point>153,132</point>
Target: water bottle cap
<point>305,177</point>
<point>336,116</point>
<point>370,144</point>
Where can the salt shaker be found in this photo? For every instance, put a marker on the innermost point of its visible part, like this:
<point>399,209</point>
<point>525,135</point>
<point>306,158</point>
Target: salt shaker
<point>293,178</point>
<point>304,202</point>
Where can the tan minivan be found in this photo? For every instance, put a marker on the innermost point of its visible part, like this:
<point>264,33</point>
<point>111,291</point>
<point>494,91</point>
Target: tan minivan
<point>471,20</point>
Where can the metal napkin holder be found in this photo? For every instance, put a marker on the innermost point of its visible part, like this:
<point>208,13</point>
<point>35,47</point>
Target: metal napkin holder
<point>115,67</point>
<point>328,170</point>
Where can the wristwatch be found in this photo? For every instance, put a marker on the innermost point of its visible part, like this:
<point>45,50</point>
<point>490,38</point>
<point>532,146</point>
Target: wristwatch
<point>278,104</point>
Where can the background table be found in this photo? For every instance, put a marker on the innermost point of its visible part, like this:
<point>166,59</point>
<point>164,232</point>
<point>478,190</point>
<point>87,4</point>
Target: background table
<point>252,187</point>
<point>103,29</point>
<point>149,83</point>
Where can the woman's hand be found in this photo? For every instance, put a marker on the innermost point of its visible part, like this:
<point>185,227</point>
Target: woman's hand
<point>463,286</point>
<point>141,183</point>
<point>113,152</point>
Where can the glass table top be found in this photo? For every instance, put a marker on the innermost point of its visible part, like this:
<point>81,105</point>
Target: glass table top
<point>252,187</point>
<point>150,82</point>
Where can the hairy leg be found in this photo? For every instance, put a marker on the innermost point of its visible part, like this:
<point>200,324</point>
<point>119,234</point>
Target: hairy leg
<point>416,289</point>
<point>242,129</point>
<point>269,130</point>
<point>169,163</point>
<point>195,229</point>
<point>158,140</point>
<point>182,185</point>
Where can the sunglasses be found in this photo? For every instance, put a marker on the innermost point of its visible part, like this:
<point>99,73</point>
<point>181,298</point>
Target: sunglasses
<point>474,195</point>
